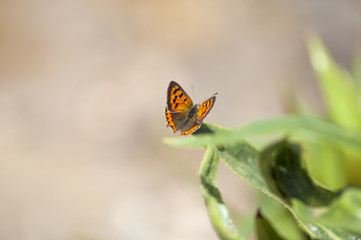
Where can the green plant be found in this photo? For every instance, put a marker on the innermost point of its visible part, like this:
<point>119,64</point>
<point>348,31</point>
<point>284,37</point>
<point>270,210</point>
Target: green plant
<point>322,201</point>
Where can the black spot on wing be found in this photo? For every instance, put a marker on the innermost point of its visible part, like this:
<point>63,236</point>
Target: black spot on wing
<point>175,91</point>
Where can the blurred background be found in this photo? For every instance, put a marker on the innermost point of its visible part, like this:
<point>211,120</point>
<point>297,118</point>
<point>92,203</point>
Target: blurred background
<point>82,97</point>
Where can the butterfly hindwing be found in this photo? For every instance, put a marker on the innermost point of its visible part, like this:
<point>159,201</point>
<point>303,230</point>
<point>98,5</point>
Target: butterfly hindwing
<point>177,99</point>
<point>189,127</point>
<point>175,119</point>
<point>192,123</point>
<point>191,130</point>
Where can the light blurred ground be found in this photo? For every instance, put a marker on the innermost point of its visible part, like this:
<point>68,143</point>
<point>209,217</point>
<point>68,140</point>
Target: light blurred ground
<point>82,97</point>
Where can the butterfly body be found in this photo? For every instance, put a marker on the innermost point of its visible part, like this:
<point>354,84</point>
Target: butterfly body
<point>180,112</point>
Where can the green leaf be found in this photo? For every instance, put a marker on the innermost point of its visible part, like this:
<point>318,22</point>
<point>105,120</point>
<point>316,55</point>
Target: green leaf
<point>337,86</point>
<point>242,159</point>
<point>246,225</point>
<point>281,219</point>
<point>217,210</point>
<point>350,139</point>
<point>285,175</point>
<point>343,213</point>
<point>326,163</point>
<point>265,230</point>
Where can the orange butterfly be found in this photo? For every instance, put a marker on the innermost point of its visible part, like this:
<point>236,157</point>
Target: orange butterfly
<point>180,112</point>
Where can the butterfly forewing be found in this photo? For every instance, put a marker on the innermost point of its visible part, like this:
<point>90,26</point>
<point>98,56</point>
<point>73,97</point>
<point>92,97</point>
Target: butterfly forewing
<point>177,99</point>
<point>204,108</point>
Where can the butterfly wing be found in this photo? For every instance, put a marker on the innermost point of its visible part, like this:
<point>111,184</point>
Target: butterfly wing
<point>177,99</point>
<point>192,124</point>
<point>175,120</point>
<point>204,109</point>
<point>189,127</point>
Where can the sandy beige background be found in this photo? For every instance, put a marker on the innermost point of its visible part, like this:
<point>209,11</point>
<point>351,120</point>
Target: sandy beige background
<point>82,96</point>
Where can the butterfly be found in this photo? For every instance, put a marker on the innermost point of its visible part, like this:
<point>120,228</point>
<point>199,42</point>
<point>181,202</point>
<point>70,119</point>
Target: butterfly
<point>180,112</point>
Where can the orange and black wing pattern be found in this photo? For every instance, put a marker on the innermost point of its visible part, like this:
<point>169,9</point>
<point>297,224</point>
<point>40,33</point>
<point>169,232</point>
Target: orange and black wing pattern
<point>180,113</point>
<point>192,124</point>
<point>194,127</point>
<point>175,120</point>
<point>177,99</point>
<point>204,108</point>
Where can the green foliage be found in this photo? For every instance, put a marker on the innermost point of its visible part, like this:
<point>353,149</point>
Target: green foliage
<point>217,210</point>
<point>337,86</point>
<point>265,229</point>
<point>310,180</point>
<point>282,169</point>
<point>281,220</point>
